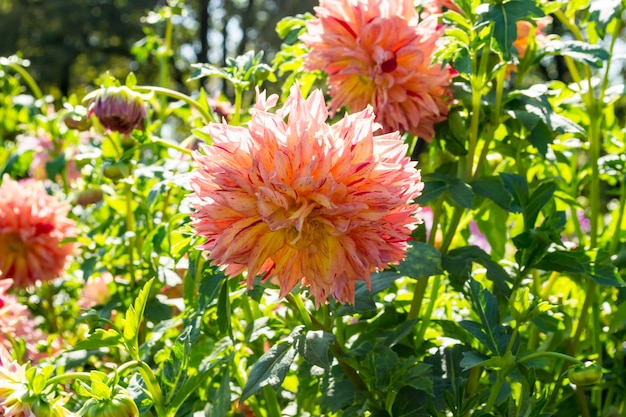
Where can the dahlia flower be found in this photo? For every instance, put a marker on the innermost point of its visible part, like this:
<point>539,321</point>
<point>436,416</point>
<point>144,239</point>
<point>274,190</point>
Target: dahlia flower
<point>44,152</point>
<point>33,225</point>
<point>13,387</point>
<point>16,323</point>
<point>524,31</point>
<point>376,53</point>
<point>119,109</point>
<point>302,201</point>
<point>95,291</point>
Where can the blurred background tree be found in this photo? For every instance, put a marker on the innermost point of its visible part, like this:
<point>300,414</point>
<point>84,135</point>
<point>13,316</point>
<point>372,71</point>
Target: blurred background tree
<point>70,42</point>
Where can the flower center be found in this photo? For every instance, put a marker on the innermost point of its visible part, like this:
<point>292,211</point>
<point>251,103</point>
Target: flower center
<point>15,243</point>
<point>389,65</point>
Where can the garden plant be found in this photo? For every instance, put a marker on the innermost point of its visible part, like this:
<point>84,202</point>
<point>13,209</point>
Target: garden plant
<point>411,209</point>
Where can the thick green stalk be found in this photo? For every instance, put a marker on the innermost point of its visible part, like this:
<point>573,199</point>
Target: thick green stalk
<point>177,96</point>
<point>238,100</point>
<point>130,233</point>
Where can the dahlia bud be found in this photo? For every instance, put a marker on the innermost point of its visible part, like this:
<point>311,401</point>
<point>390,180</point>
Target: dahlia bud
<point>118,405</point>
<point>77,119</point>
<point>119,109</point>
<point>90,196</point>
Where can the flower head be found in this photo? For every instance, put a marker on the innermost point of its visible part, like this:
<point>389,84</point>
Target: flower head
<point>33,226</point>
<point>119,109</point>
<point>376,53</point>
<point>302,201</point>
<point>13,387</point>
<point>17,396</point>
<point>526,31</point>
<point>95,291</point>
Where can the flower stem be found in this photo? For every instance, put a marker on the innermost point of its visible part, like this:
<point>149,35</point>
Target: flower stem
<point>30,81</point>
<point>178,96</point>
<point>170,145</point>
<point>55,380</point>
<point>238,99</point>
<point>550,355</point>
<point>130,234</point>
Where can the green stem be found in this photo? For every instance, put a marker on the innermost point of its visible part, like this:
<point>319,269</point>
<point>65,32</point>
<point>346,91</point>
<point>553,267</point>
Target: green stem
<point>153,388</point>
<point>495,390</point>
<point>271,402</point>
<point>584,315</point>
<point>170,145</point>
<point>130,231</point>
<point>434,291</point>
<point>422,283</point>
<point>59,379</point>
<point>178,96</point>
<point>238,101</point>
<point>617,227</point>
<point>549,355</point>
<point>477,83</point>
<point>500,77</point>
<point>304,314</point>
<point>30,81</point>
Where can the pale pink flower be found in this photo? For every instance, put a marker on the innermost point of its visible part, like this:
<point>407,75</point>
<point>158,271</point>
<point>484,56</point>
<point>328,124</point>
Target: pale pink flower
<point>95,291</point>
<point>16,323</point>
<point>33,226</point>
<point>376,53</point>
<point>302,201</point>
<point>44,152</point>
<point>13,387</point>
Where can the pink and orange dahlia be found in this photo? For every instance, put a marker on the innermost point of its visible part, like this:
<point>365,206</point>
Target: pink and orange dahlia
<point>33,226</point>
<point>376,53</point>
<point>302,201</point>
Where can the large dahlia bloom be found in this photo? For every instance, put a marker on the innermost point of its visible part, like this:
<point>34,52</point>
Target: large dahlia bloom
<point>376,53</point>
<point>302,201</point>
<point>33,226</point>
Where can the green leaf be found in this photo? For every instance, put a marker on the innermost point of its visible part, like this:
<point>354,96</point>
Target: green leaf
<point>100,339</point>
<point>223,310</point>
<point>222,402</point>
<point>493,189</point>
<point>313,347</point>
<point>458,262</point>
<point>271,368</point>
<point>517,187</point>
<point>504,16</point>
<point>592,55</point>
<point>211,282</point>
<point>537,200</point>
<point>410,402</point>
<point>422,261</point>
<point>134,316</point>
<point>462,194</point>
<point>100,390</point>
<point>486,306</point>
<point>473,359</point>
<point>602,12</point>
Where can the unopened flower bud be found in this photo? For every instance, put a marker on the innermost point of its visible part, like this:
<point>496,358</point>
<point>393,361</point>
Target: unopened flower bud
<point>77,119</point>
<point>119,405</point>
<point>119,109</point>
<point>90,196</point>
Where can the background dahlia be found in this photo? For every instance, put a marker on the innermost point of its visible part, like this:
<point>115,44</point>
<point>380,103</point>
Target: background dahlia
<point>16,323</point>
<point>376,53</point>
<point>32,226</point>
<point>302,201</point>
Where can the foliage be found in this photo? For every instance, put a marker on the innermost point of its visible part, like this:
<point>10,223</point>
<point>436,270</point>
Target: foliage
<point>511,300</point>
